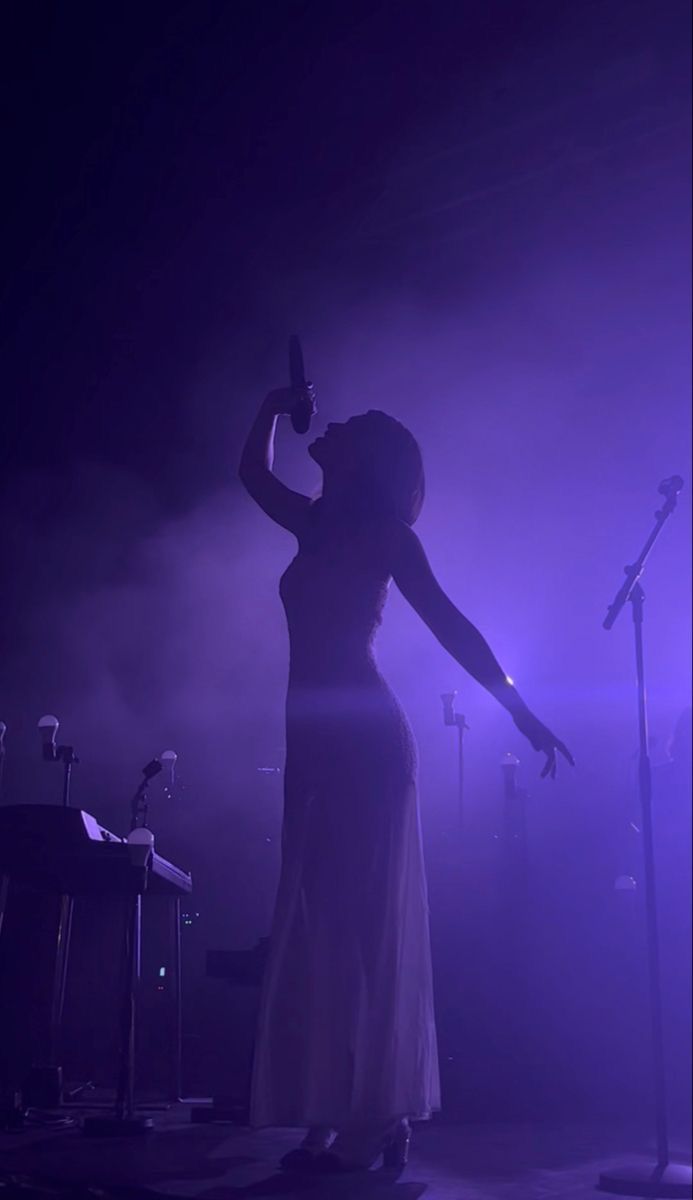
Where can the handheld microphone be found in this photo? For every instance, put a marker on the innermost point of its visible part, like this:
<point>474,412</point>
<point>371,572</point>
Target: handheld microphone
<point>304,408</point>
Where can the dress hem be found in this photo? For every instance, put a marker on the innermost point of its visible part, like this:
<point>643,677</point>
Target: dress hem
<point>295,1122</point>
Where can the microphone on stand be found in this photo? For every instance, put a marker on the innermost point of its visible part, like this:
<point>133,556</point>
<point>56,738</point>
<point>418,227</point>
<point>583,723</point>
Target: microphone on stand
<point>450,715</point>
<point>169,759</point>
<point>669,488</point>
<point>48,727</point>
<point>457,721</point>
<point>304,407</point>
<point>448,699</point>
<point>673,484</point>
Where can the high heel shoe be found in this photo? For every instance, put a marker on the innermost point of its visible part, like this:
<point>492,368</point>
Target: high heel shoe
<point>394,1149</point>
<point>316,1142</point>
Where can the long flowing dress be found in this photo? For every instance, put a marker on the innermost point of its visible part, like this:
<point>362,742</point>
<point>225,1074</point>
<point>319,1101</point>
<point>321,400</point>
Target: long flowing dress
<point>346,1031</point>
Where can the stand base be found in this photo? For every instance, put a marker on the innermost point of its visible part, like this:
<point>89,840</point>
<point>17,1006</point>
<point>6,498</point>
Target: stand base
<point>43,1087</point>
<point>12,1111</point>
<point>641,1179</point>
<point>117,1126</point>
<point>227,1110</point>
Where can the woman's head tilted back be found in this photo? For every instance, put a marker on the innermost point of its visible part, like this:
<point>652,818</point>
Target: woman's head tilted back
<point>375,464</point>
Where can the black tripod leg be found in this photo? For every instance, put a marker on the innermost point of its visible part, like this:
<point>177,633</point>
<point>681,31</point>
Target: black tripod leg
<point>62,952</point>
<point>125,1096</point>
<point>177,1066</point>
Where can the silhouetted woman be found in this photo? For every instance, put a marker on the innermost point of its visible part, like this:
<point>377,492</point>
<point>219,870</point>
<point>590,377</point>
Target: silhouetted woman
<point>346,1037</point>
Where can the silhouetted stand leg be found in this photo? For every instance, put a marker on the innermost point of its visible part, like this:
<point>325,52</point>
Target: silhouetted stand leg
<point>177,1072</point>
<point>664,1178</point>
<point>125,1121</point>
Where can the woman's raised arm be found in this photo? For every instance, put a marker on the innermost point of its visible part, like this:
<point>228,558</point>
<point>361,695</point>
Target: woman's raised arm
<point>286,507</point>
<point>415,579</point>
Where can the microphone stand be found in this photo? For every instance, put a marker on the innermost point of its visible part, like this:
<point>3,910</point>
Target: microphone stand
<point>514,859</point>
<point>125,1120</point>
<point>66,755</point>
<point>664,1178</point>
<point>457,721</point>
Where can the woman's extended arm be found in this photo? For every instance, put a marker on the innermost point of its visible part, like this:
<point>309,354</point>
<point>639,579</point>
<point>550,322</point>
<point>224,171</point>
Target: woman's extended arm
<point>286,507</point>
<point>415,579</point>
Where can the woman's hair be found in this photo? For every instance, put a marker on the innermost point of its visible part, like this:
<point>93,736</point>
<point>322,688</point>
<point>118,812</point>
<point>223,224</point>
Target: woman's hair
<point>391,479</point>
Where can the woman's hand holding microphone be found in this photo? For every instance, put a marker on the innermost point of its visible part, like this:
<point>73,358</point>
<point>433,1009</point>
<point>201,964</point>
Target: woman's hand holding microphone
<point>297,403</point>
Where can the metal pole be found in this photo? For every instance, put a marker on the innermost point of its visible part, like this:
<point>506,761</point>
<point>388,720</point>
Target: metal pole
<point>460,768</point>
<point>451,717</point>
<point>125,1099</point>
<point>664,1178</point>
<point>178,1002</point>
<point>62,953</point>
<point>653,955</point>
<point>67,775</point>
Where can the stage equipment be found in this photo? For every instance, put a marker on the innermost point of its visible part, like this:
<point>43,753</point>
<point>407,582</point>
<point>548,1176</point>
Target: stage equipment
<point>140,843</point>
<point>511,958</point>
<point>243,968</point>
<point>66,852</point>
<point>664,1178</point>
<point>515,867</point>
<point>457,721</point>
<point>305,404</point>
<point>48,727</point>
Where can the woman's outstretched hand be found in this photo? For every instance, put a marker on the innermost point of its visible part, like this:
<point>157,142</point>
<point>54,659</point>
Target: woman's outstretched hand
<point>543,740</point>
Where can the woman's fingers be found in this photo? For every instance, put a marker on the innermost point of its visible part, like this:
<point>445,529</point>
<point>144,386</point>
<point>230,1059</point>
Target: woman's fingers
<point>546,742</point>
<point>282,400</point>
<point>551,762</point>
<point>565,752</point>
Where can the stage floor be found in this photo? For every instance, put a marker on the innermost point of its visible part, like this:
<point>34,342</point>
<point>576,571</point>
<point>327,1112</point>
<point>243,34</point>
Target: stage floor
<point>223,1162</point>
